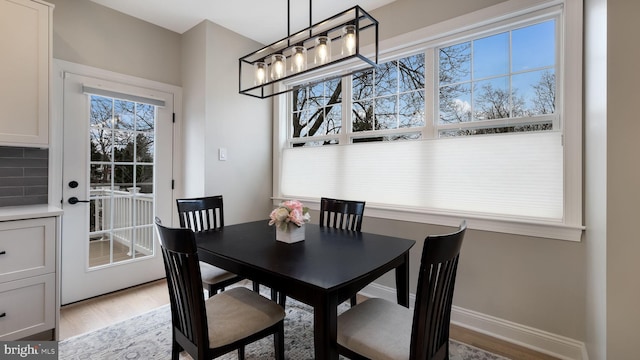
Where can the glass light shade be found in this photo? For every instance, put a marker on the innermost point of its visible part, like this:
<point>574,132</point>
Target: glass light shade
<point>278,66</point>
<point>260,70</point>
<point>349,40</point>
<point>298,59</point>
<point>322,53</point>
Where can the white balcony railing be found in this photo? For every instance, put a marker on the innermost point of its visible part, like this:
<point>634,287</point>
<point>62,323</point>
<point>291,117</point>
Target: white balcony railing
<point>125,216</point>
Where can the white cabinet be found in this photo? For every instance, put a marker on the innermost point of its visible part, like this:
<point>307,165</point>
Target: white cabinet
<point>28,277</point>
<point>28,307</point>
<point>25,40</point>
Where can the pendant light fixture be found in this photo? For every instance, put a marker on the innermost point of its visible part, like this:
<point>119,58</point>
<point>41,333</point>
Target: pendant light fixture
<point>266,72</point>
<point>322,54</point>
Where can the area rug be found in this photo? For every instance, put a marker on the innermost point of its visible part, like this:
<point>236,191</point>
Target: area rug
<point>148,336</point>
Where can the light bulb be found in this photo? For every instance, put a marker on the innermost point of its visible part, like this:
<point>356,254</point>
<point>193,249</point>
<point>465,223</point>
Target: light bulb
<point>298,59</point>
<point>260,72</point>
<point>278,69</point>
<point>323,50</point>
<point>348,40</point>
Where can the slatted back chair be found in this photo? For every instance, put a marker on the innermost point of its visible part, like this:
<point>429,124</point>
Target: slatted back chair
<point>201,214</point>
<point>341,214</point>
<point>378,329</point>
<point>240,309</point>
<point>434,296</point>
<point>207,214</point>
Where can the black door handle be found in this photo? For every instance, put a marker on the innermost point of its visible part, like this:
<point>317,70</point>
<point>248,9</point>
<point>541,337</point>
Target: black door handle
<point>74,200</point>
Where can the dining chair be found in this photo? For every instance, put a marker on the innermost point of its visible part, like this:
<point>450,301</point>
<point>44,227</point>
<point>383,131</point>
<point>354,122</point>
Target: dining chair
<point>381,329</point>
<point>341,214</point>
<point>205,214</point>
<point>220,324</point>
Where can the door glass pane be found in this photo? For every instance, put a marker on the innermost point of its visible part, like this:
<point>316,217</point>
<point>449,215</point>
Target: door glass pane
<point>121,181</point>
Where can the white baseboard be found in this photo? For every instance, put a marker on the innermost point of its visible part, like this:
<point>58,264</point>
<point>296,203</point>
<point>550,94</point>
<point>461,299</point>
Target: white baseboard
<point>525,336</point>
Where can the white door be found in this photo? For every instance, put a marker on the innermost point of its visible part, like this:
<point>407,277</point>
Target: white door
<point>117,171</point>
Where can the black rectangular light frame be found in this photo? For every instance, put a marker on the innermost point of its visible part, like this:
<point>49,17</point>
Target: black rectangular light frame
<point>340,65</point>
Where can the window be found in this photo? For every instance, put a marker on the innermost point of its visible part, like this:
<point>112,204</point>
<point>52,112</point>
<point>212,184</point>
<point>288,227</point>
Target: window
<point>389,97</point>
<point>499,83</point>
<point>122,147</point>
<point>504,82</point>
<point>316,113</point>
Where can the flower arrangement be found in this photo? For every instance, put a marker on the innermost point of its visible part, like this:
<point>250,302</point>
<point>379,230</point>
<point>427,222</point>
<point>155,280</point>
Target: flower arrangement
<point>289,212</point>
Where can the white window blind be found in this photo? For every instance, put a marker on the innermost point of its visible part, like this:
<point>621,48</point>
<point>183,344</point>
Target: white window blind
<point>513,175</point>
<point>122,96</point>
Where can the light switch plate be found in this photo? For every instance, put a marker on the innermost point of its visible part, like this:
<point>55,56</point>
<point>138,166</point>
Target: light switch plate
<point>222,154</point>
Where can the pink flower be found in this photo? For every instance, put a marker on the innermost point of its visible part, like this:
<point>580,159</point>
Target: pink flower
<point>291,211</point>
<point>296,217</point>
<point>278,216</point>
<point>292,205</point>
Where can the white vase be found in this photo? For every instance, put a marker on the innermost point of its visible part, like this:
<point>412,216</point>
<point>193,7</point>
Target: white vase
<point>292,234</point>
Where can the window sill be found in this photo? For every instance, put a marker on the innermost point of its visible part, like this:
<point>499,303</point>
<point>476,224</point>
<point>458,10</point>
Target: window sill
<point>525,227</point>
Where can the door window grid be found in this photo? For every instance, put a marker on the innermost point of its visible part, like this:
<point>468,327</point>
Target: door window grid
<point>121,178</point>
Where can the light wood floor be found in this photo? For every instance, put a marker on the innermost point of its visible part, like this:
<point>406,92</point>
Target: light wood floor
<point>105,310</point>
<point>101,311</point>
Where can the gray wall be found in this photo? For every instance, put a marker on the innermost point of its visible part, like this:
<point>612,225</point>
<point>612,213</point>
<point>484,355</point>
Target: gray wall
<point>194,92</point>
<point>90,34</point>
<point>623,178</point>
<point>402,16</point>
<point>216,116</point>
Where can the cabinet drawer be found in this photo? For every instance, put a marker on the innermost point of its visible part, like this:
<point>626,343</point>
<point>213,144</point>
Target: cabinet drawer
<point>27,248</point>
<point>27,307</point>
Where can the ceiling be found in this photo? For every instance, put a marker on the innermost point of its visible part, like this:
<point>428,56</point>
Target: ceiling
<point>262,20</point>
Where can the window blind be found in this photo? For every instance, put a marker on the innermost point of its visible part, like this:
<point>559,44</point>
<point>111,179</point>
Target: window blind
<point>122,96</point>
<point>518,175</point>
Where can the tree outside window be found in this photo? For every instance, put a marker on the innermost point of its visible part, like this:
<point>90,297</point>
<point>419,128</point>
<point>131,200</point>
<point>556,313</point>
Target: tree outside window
<point>508,76</point>
<point>121,144</point>
<point>502,83</point>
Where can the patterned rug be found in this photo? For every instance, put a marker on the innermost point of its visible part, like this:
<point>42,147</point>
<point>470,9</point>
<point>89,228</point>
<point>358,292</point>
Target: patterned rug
<point>148,336</point>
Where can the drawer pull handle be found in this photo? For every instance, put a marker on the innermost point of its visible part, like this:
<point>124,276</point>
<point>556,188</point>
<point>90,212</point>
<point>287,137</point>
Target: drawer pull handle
<point>3,315</point>
<point>2,252</point>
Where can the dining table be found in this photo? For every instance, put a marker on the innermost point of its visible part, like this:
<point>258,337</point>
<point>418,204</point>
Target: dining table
<point>326,268</point>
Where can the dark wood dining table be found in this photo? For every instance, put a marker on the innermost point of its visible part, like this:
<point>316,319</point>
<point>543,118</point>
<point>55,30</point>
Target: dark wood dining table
<point>325,269</point>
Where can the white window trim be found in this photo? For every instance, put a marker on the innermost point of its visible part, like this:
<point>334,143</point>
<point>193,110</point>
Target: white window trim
<point>570,91</point>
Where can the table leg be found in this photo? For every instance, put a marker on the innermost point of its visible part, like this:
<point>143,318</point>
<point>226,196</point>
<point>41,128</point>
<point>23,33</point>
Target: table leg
<point>325,331</point>
<point>402,281</point>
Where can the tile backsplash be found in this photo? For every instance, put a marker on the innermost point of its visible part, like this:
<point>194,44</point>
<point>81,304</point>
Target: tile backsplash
<point>24,176</point>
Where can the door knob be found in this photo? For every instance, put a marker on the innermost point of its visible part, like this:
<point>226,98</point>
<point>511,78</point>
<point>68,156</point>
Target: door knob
<point>74,200</point>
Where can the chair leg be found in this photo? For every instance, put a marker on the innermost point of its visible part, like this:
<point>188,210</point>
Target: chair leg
<point>211,290</point>
<point>256,287</point>
<point>278,342</point>
<point>282,299</point>
<point>175,351</point>
<point>353,301</point>
<point>241,353</point>
<point>274,295</point>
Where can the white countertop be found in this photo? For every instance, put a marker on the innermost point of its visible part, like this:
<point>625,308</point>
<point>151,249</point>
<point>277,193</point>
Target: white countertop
<point>28,212</point>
